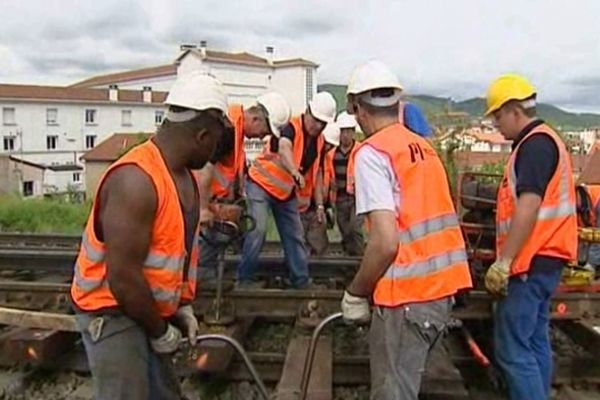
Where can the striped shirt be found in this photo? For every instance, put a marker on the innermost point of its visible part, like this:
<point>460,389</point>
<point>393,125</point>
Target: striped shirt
<point>340,165</point>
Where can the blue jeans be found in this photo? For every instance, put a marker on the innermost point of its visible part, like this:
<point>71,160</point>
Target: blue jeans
<point>287,219</point>
<point>521,334</point>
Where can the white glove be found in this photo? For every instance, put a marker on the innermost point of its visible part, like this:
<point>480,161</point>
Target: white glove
<point>496,277</point>
<point>355,309</point>
<point>167,343</point>
<point>186,318</point>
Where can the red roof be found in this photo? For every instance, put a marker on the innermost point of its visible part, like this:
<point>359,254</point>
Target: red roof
<point>465,159</point>
<point>61,93</point>
<point>115,146</point>
<point>591,170</point>
<point>493,137</point>
<point>171,69</point>
<point>136,74</point>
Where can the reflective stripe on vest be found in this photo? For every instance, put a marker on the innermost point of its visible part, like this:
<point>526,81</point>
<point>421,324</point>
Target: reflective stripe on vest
<point>429,266</point>
<point>428,227</point>
<point>272,179</point>
<point>431,260</point>
<point>221,179</point>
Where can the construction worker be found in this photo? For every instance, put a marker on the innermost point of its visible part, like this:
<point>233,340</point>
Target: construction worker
<point>412,117</point>
<point>226,169</point>
<point>340,181</point>
<point>282,179</point>
<point>588,215</point>
<point>135,275</point>
<point>315,228</point>
<point>415,258</point>
<point>536,235</point>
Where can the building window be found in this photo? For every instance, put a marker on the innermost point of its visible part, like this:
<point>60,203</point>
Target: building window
<point>126,117</point>
<point>9,143</point>
<point>90,116</point>
<point>76,177</point>
<point>158,117</point>
<point>51,116</point>
<point>27,188</point>
<point>8,116</point>
<point>90,141</point>
<point>309,84</point>
<point>51,142</point>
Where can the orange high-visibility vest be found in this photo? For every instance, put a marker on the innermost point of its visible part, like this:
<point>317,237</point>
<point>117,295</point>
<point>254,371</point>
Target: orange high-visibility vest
<point>555,231</point>
<point>226,171</point>
<point>306,193</point>
<point>593,192</point>
<point>268,170</point>
<point>330,188</point>
<point>163,268</point>
<point>431,261</point>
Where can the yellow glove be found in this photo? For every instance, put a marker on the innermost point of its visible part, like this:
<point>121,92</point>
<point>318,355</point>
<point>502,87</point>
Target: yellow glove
<point>496,278</point>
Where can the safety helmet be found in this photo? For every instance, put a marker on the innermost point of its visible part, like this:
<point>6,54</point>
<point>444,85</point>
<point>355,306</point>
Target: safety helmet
<point>197,91</point>
<point>509,87</point>
<point>323,107</point>
<point>278,111</point>
<point>345,120</point>
<point>331,133</point>
<point>370,76</point>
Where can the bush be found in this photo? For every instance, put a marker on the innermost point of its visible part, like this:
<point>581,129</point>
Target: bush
<point>42,215</point>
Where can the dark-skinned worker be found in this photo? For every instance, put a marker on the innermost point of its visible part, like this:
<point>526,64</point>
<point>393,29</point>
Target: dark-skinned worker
<point>281,179</point>
<point>135,275</point>
<point>226,170</point>
<point>315,229</point>
<point>415,258</point>
<point>339,179</point>
<point>536,235</point>
<point>588,216</point>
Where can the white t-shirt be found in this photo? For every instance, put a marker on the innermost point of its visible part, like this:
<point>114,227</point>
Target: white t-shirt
<point>376,186</point>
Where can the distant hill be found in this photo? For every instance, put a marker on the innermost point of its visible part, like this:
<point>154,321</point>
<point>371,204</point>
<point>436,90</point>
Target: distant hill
<point>475,107</point>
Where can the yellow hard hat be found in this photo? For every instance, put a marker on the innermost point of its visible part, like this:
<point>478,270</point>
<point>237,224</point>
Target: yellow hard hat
<point>506,88</point>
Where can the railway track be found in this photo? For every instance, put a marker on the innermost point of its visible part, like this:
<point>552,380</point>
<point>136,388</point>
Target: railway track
<point>274,325</point>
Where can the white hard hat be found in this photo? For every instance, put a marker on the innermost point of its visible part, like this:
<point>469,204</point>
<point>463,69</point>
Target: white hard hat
<point>331,133</point>
<point>278,110</point>
<point>197,91</point>
<point>345,120</point>
<point>374,75</point>
<point>323,107</point>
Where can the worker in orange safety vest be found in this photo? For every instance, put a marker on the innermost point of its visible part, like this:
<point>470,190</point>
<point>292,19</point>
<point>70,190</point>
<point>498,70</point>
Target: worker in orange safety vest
<point>135,275</point>
<point>536,235</point>
<point>415,259</point>
<point>282,179</point>
<point>225,172</point>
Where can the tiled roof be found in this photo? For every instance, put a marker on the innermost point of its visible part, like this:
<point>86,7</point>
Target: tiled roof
<point>136,74</point>
<point>61,93</point>
<point>591,170</point>
<point>465,159</point>
<point>112,148</point>
<point>171,69</point>
<point>493,138</point>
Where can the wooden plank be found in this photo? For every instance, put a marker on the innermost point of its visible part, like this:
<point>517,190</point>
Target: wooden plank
<point>320,382</point>
<point>34,346</point>
<point>37,319</point>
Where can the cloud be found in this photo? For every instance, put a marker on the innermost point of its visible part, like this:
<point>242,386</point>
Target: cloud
<point>437,47</point>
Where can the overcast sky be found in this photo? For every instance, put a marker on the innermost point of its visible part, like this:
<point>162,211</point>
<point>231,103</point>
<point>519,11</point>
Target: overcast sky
<point>441,47</point>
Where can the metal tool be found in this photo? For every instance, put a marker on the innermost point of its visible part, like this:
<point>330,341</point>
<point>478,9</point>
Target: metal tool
<point>310,355</point>
<point>241,352</point>
<point>221,234</point>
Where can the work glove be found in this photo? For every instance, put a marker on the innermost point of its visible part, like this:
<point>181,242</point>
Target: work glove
<point>206,217</point>
<point>496,277</point>
<point>355,310</point>
<point>168,342</point>
<point>188,322</point>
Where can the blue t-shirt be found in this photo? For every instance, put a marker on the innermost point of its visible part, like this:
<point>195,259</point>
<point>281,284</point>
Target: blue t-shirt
<point>416,121</point>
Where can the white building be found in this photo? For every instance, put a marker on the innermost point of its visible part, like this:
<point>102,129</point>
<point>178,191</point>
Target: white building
<point>244,75</point>
<point>480,139</point>
<point>53,126</point>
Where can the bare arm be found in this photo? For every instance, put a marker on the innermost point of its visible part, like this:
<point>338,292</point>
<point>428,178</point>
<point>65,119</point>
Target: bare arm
<point>522,225</point>
<point>205,176</point>
<point>318,190</point>
<point>379,254</point>
<point>285,152</point>
<point>128,207</point>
